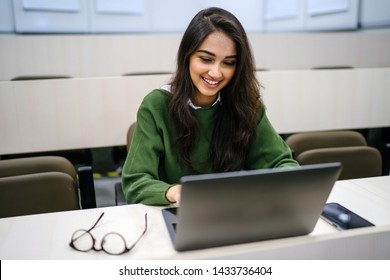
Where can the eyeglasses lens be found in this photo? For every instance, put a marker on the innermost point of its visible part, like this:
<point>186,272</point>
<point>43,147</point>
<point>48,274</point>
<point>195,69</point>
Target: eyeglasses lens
<point>82,240</point>
<point>113,243</point>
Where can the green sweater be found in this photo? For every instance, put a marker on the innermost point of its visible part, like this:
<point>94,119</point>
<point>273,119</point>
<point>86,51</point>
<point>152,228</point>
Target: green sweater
<point>151,166</point>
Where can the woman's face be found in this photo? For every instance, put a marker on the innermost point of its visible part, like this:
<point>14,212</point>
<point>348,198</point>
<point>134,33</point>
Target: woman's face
<point>212,66</point>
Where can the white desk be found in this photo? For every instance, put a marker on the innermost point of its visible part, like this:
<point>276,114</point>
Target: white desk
<point>46,236</point>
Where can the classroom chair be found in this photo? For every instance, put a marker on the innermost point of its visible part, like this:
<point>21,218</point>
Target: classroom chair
<point>348,147</point>
<point>44,184</point>
<point>119,195</point>
<point>300,142</point>
<point>130,133</point>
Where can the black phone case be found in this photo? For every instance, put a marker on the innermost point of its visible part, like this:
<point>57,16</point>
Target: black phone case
<point>343,218</point>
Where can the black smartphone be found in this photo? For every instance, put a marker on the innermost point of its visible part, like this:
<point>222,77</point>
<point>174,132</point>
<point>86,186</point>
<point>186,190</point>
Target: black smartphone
<point>342,218</point>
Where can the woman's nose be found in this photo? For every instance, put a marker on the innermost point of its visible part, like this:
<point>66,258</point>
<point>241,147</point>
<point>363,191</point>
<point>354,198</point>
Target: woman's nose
<point>215,72</point>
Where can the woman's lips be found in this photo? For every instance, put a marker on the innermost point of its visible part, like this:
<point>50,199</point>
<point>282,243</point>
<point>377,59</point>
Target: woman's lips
<point>210,83</point>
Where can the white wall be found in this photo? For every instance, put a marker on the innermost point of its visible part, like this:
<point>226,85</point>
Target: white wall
<point>102,16</point>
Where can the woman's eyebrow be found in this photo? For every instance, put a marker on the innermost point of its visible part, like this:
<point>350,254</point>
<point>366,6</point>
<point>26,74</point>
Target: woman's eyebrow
<point>213,54</point>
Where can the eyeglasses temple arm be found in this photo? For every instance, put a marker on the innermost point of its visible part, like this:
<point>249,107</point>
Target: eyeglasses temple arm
<point>142,234</point>
<point>100,217</point>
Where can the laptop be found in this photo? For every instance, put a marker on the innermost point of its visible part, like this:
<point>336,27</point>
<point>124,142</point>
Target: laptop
<point>246,206</point>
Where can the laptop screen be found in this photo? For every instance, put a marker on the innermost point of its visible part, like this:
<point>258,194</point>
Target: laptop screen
<point>246,206</point>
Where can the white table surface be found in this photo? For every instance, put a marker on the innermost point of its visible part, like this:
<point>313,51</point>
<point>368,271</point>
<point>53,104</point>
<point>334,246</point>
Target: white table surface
<point>46,236</point>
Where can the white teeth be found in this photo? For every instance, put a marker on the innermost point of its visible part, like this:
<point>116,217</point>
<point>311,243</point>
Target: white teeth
<point>210,82</point>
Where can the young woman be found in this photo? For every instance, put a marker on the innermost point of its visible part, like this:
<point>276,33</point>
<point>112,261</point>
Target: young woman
<point>210,118</point>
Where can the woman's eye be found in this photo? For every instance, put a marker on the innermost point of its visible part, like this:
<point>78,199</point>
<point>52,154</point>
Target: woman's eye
<point>230,63</point>
<point>206,59</point>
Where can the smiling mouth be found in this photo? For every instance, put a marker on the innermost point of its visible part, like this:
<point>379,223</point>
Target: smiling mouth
<point>211,83</point>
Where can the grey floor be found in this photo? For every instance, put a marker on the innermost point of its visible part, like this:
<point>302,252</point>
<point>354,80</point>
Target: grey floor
<point>105,191</point>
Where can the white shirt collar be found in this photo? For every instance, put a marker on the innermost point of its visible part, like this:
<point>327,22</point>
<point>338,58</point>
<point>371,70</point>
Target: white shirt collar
<point>168,88</point>
<point>199,107</point>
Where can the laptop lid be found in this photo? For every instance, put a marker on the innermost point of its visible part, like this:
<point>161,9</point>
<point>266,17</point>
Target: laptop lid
<point>245,206</point>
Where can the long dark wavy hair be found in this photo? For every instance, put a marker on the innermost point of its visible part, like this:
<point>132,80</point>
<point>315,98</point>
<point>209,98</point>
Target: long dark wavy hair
<point>235,126</point>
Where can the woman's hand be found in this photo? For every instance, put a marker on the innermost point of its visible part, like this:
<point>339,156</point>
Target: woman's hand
<point>173,194</point>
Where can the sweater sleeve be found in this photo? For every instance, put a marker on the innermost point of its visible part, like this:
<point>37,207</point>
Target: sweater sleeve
<point>269,149</point>
<point>140,174</point>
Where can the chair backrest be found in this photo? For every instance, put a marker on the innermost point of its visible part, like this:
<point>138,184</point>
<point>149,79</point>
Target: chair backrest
<point>130,133</point>
<point>17,171</point>
<point>30,165</point>
<point>357,161</point>
<point>119,195</point>
<point>304,141</point>
<point>37,193</point>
